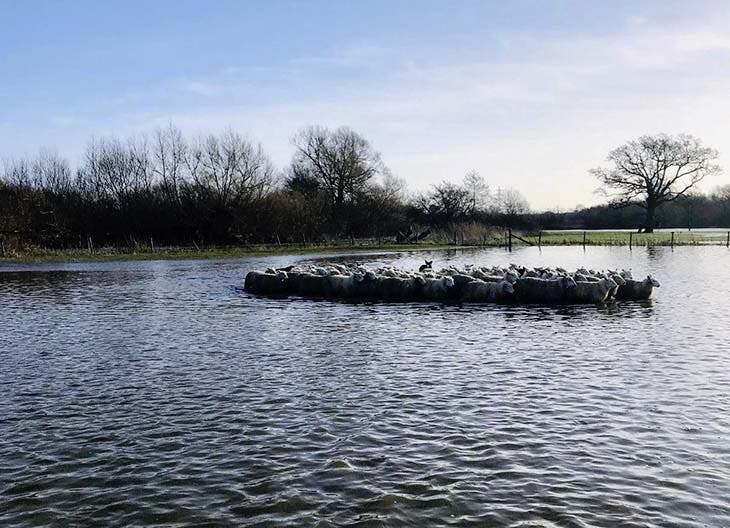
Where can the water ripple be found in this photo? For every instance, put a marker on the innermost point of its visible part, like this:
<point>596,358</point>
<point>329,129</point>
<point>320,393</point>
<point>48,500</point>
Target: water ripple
<point>160,394</point>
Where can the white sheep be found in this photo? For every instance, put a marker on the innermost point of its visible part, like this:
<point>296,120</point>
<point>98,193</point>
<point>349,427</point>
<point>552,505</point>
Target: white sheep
<point>437,289</point>
<point>480,291</point>
<point>342,286</point>
<point>592,292</point>
<point>532,289</point>
<point>637,290</point>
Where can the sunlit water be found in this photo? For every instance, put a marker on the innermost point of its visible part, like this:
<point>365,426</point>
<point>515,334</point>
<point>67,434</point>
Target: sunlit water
<point>161,394</point>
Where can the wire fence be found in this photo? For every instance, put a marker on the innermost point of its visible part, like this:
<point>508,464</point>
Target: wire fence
<point>720,237</point>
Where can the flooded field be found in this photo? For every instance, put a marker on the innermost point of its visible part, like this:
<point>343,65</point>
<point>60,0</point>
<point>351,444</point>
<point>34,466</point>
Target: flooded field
<point>161,394</point>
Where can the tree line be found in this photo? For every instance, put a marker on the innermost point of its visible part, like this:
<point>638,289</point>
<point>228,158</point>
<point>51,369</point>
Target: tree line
<point>224,189</point>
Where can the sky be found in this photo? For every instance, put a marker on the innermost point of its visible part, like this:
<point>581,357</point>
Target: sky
<point>531,94</point>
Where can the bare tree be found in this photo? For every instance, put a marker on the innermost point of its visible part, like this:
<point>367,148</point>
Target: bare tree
<point>653,170</point>
<point>229,168</point>
<point>510,203</point>
<point>51,172</point>
<point>446,203</point>
<point>478,190</point>
<point>343,161</point>
<point>115,171</point>
<point>394,187</point>
<point>169,150</point>
<point>18,172</point>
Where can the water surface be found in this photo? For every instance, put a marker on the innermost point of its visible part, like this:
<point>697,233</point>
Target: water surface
<point>159,393</point>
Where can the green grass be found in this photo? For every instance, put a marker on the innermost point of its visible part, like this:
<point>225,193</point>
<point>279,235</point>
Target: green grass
<point>620,238</point>
<point>41,255</point>
<point>604,238</point>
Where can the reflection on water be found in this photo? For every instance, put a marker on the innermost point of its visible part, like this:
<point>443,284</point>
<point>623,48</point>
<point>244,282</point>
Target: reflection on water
<point>158,393</point>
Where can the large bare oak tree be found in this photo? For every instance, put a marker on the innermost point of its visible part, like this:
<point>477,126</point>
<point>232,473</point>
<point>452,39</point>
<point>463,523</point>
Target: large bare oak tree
<point>653,170</point>
<point>341,160</point>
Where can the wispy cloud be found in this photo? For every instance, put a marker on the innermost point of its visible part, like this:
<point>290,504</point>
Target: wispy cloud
<point>532,112</point>
<point>204,88</point>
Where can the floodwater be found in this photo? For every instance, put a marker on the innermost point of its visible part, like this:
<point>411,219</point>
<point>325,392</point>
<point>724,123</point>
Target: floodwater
<point>161,394</point>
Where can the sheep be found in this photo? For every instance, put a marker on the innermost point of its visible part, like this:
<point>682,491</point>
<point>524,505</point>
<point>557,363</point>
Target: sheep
<point>342,286</point>
<point>496,278</point>
<point>531,289</point>
<point>470,284</point>
<point>309,284</point>
<point>265,283</point>
<point>637,290</point>
<point>480,291</point>
<point>590,292</point>
<point>398,288</point>
<point>619,280</point>
<point>437,289</point>
<point>427,266</point>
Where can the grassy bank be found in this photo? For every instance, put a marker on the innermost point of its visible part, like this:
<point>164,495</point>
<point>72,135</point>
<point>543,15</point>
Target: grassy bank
<point>622,238</point>
<point>547,238</point>
<point>113,254</point>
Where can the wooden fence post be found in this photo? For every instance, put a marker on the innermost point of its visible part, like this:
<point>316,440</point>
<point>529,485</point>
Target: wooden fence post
<point>584,239</point>
<point>631,238</point>
<point>672,239</point>
<point>510,239</point>
<point>727,244</point>
<point>539,239</point>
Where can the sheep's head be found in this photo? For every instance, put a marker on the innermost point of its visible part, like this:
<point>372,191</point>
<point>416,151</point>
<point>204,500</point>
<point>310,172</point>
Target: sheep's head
<point>568,283</point>
<point>651,280</point>
<point>281,275</point>
<point>448,281</point>
<point>507,287</point>
<point>618,279</point>
<point>609,284</point>
<point>420,281</point>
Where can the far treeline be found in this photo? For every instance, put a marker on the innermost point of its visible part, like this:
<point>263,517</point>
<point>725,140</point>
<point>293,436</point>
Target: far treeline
<point>223,189</point>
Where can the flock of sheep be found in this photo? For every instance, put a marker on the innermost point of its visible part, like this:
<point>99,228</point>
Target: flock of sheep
<point>469,284</point>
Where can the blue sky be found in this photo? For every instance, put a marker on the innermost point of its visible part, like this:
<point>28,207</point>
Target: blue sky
<point>529,93</point>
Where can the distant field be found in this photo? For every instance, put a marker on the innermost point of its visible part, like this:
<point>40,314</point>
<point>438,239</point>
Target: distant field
<point>622,238</point>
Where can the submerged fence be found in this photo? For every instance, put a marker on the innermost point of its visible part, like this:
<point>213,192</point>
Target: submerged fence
<point>620,238</point>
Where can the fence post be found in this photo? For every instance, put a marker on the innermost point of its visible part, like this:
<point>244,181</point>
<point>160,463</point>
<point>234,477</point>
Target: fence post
<point>631,238</point>
<point>672,239</point>
<point>510,239</point>
<point>727,244</point>
<point>90,244</point>
<point>584,239</point>
<point>152,245</point>
<point>539,239</point>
